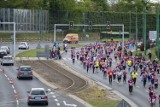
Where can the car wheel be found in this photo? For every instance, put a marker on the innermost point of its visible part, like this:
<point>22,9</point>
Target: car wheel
<point>47,103</point>
<point>31,78</point>
<point>29,103</point>
<point>12,64</point>
<point>2,64</point>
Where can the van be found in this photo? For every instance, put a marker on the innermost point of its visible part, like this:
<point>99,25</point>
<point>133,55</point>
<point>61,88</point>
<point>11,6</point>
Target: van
<point>71,38</point>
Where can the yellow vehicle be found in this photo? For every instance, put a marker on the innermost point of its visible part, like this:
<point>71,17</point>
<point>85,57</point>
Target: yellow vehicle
<point>71,38</point>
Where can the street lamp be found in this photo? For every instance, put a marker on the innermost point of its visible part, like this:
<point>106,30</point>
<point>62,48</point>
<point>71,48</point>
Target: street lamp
<point>144,24</point>
<point>136,28</point>
<point>157,29</point>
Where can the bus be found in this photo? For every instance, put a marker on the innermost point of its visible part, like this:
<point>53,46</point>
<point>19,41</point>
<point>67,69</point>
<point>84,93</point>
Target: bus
<point>115,36</point>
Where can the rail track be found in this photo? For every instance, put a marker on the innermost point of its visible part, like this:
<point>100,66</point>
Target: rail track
<point>65,80</point>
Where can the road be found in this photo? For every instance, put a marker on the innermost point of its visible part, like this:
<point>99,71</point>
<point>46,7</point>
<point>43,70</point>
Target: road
<point>140,94</point>
<point>13,92</point>
<point>11,95</point>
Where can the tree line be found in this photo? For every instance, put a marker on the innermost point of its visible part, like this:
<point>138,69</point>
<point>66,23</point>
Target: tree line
<point>83,5</point>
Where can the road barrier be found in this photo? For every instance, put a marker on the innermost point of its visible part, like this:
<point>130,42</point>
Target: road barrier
<point>123,103</point>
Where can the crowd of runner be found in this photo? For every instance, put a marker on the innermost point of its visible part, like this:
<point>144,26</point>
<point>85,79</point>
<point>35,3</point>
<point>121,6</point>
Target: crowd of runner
<point>108,59</point>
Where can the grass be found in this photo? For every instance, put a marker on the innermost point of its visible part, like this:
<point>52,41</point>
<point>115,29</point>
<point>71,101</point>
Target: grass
<point>32,52</point>
<point>154,56</point>
<point>97,97</point>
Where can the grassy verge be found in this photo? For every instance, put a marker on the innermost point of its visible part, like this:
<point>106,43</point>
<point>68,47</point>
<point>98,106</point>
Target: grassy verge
<point>98,97</point>
<point>32,52</point>
<point>154,56</point>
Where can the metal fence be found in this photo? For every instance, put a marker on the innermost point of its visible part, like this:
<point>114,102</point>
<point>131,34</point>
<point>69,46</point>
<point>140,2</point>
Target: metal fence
<point>27,21</point>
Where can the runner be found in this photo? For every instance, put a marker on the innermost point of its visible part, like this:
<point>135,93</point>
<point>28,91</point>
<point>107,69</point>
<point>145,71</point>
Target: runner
<point>110,74</point>
<point>124,76</point>
<point>130,84</point>
<point>134,76</point>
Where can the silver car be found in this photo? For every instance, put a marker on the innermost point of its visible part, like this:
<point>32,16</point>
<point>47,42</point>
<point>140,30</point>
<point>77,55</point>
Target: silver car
<point>37,95</point>
<point>24,72</point>
<point>7,60</point>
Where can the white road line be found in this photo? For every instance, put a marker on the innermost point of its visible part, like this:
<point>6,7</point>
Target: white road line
<point>51,92</point>
<point>56,100</point>
<point>8,78</point>
<point>5,75</point>
<point>58,104</point>
<point>13,86</point>
<point>54,96</point>
<point>15,91</point>
<point>64,58</point>
<point>17,102</point>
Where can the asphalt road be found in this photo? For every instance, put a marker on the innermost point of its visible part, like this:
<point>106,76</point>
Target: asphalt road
<point>15,94</point>
<point>140,94</point>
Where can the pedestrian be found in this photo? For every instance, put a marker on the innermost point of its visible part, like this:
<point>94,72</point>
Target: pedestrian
<point>119,76</point>
<point>110,74</point>
<point>134,76</point>
<point>130,85</point>
<point>124,76</point>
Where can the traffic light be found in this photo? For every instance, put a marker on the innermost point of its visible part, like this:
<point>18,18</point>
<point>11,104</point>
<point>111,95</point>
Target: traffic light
<point>90,25</point>
<point>71,25</point>
<point>108,25</point>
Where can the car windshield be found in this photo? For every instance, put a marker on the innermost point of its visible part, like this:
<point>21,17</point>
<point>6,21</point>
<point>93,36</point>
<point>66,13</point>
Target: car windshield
<point>22,44</point>
<point>7,58</point>
<point>3,48</point>
<point>68,37</point>
<point>37,92</point>
<point>25,69</point>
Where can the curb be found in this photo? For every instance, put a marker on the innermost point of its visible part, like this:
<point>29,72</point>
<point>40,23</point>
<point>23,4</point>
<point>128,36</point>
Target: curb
<point>80,100</point>
<point>54,87</point>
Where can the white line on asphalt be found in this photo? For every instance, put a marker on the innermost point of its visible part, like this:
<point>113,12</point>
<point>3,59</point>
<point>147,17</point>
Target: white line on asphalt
<point>8,78</point>
<point>54,96</point>
<point>13,86</point>
<point>17,102</point>
<point>51,92</point>
<point>64,58</point>
<point>15,91</point>
<point>71,105</point>
<point>58,104</point>
<point>56,100</point>
<point>5,75</point>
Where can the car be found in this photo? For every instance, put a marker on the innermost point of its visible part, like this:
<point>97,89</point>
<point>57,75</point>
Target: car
<point>23,45</point>
<point>6,48</point>
<point>3,53</point>
<point>37,95</point>
<point>24,72</point>
<point>7,60</point>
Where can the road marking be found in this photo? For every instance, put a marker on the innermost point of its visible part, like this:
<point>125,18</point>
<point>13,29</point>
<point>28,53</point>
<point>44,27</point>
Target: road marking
<point>54,96</point>
<point>71,105</point>
<point>17,103</point>
<point>58,104</point>
<point>15,91</point>
<point>13,86</point>
<point>7,78</point>
<point>64,58</point>
<point>138,86</point>
<point>5,75</point>
<point>51,92</point>
<point>56,100</point>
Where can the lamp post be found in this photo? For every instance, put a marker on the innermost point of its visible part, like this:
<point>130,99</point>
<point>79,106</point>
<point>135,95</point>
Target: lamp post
<point>136,28</point>
<point>157,29</point>
<point>144,26</point>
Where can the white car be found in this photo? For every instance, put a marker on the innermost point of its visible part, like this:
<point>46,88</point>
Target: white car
<point>6,48</point>
<point>37,95</point>
<point>23,45</point>
<point>7,60</point>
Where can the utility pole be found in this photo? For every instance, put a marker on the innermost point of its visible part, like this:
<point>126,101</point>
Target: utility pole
<point>144,29</point>
<point>136,28</point>
<point>157,28</point>
<point>130,24</point>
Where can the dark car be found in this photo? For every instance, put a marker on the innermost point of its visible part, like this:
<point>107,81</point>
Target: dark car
<point>2,53</point>
<point>24,72</point>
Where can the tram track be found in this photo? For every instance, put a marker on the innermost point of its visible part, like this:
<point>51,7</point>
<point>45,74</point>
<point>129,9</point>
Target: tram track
<point>64,79</point>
